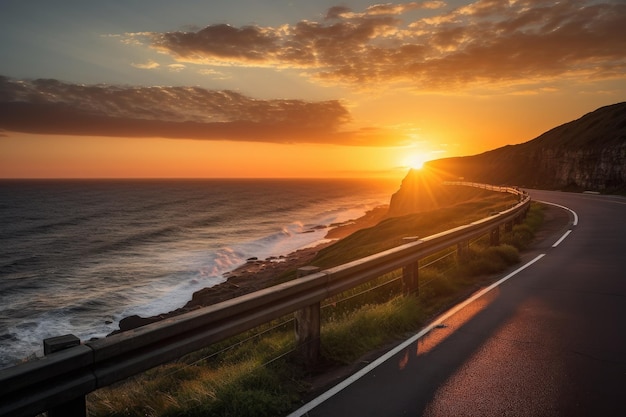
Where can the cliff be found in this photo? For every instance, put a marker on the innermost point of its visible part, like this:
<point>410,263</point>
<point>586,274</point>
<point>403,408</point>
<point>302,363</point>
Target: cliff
<point>423,190</point>
<point>586,154</point>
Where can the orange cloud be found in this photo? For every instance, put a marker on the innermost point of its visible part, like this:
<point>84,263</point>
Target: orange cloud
<point>147,65</point>
<point>487,41</point>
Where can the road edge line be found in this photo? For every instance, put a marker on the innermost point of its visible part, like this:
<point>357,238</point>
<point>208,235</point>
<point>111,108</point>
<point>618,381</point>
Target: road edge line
<point>558,242</point>
<point>575,222</point>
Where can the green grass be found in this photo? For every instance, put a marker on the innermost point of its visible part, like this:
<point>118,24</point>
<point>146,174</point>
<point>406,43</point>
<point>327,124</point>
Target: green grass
<point>252,376</point>
<point>346,338</point>
<point>234,383</point>
<point>488,260</point>
<point>522,234</point>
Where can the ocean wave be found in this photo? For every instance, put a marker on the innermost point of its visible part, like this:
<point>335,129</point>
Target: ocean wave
<point>88,255</point>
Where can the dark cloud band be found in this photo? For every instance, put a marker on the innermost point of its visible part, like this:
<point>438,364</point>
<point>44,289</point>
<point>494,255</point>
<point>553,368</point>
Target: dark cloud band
<point>54,107</point>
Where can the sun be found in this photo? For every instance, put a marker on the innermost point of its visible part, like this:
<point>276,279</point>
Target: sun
<point>415,161</point>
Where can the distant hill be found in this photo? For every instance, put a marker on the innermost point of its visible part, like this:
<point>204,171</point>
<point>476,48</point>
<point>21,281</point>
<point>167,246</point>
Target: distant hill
<point>585,154</point>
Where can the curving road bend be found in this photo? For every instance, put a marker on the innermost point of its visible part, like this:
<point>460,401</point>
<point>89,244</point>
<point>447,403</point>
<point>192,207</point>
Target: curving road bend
<point>548,340</point>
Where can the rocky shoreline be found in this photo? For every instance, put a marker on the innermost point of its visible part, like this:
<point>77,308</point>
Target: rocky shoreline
<point>257,274</point>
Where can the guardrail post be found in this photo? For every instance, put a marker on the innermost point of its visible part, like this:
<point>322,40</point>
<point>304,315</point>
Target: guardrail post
<point>410,279</point>
<point>76,407</point>
<point>410,273</point>
<point>462,251</point>
<point>494,236</point>
<point>307,326</point>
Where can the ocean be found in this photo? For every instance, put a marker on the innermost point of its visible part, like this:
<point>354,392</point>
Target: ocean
<point>76,256</point>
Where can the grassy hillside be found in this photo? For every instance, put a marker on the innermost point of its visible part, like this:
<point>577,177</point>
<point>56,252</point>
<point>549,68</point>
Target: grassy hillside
<point>390,232</point>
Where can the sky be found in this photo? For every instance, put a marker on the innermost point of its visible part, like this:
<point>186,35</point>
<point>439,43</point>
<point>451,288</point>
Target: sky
<point>272,88</point>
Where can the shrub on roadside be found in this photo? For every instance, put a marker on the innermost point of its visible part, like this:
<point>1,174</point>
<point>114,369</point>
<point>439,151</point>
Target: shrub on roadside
<point>368,328</point>
<point>489,260</point>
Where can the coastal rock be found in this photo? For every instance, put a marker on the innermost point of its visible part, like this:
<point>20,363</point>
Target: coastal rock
<point>134,321</point>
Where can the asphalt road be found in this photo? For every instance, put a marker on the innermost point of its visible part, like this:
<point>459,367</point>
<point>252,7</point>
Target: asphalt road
<point>549,340</point>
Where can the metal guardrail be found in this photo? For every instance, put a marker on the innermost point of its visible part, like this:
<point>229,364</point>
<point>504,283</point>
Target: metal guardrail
<point>61,379</point>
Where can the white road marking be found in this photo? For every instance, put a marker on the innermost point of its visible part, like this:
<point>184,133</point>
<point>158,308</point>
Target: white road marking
<point>563,207</point>
<point>364,371</point>
<point>561,239</point>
